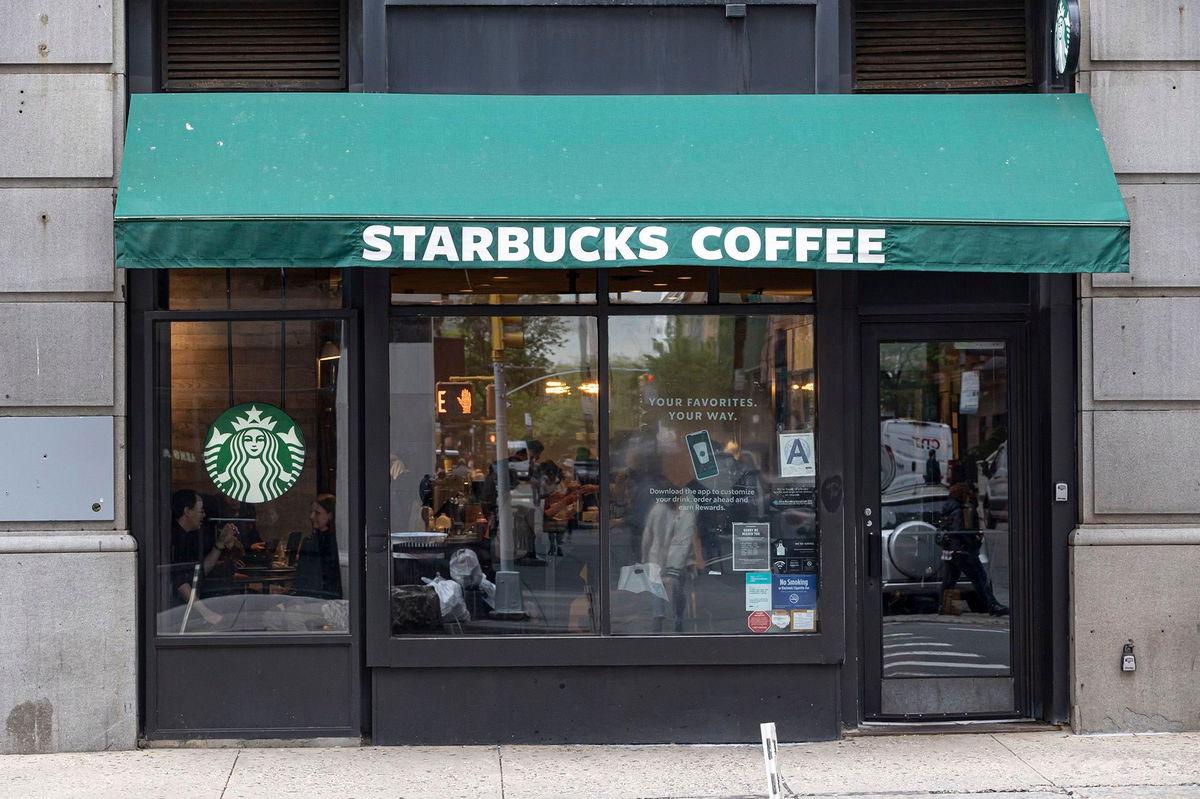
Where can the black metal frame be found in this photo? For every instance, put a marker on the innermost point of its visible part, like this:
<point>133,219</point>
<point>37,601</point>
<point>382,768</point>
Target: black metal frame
<point>384,650</point>
<point>1048,397</point>
<point>1050,401</point>
<point>149,514</point>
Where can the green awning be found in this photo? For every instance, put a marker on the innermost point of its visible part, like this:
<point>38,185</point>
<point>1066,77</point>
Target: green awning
<point>1009,183</point>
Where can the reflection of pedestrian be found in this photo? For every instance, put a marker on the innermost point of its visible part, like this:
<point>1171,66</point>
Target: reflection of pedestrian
<point>669,540</point>
<point>933,469</point>
<point>633,497</point>
<point>961,541</point>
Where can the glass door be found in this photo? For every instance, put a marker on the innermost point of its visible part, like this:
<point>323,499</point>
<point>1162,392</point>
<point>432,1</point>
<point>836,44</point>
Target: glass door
<point>938,414</point>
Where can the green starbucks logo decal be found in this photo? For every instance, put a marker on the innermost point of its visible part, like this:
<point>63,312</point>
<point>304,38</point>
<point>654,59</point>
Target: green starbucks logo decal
<point>254,452</point>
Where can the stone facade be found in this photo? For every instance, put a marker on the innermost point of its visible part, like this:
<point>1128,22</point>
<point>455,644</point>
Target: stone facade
<point>68,631</point>
<point>1136,553</point>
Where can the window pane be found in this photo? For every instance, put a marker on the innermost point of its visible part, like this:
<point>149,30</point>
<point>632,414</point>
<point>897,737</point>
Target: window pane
<point>713,507</point>
<point>943,506</point>
<point>766,285</point>
<point>253,289</point>
<point>672,285</point>
<point>252,474</point>
<point>493,286</point>
<point>481,550</point>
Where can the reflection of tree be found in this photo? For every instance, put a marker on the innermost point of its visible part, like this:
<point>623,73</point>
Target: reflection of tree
<point>910,375</point>
<point>556,420</point>
<point>543,336</point>
<point>690,360</point>
<point>624,399</point>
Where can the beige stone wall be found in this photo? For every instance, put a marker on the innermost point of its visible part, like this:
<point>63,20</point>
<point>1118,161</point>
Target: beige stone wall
<point>68,632</point>
<point>1137,551</point>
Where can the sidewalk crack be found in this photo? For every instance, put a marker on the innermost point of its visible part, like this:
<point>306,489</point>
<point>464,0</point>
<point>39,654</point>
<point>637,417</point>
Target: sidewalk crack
<point>229,776</point>
<point>1024,762</point>
<point>500,762</point>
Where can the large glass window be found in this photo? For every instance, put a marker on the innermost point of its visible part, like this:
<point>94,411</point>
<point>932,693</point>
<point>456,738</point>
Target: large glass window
<point>494,475</point>
<point>713,472</point>
<point>252,477</point>
<point>497,446</point>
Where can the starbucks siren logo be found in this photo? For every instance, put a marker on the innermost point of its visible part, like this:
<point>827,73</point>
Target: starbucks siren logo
<point>254,452</point>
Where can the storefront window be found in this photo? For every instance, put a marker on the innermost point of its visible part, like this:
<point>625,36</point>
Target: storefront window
<point>766,285</point>
<point>253,289</point>
<point>253,537</point>
<point>493,286</point>
<point>713,518</point>
<point>477,549</point>
<point>670,285</point>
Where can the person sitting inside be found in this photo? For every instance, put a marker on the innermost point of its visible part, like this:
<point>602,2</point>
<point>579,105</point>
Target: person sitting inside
<point>202,560</point>
<point>318,572</point>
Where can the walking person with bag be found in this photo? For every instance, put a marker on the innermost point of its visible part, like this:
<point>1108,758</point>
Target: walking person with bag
<point>961,539</point>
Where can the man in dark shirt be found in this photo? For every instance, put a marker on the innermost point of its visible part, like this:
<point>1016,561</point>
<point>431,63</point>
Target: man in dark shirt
<point>199,556</point>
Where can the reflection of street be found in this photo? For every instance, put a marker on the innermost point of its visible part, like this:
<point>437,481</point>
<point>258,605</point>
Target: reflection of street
<point>939,646</point>
<point>556,597</point>
<point>558,600</point>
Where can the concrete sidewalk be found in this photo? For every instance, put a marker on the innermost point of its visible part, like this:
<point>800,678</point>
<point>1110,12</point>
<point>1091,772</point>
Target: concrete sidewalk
<point>1037,765</point>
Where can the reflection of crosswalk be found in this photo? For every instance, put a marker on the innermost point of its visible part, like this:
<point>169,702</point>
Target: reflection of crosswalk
<point>939,651</point>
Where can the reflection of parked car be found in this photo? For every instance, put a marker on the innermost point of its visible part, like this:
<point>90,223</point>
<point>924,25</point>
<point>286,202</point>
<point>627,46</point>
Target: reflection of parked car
<point>911,557</point>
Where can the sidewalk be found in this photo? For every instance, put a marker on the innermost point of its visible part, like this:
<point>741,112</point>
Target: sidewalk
<point>1037,765</point>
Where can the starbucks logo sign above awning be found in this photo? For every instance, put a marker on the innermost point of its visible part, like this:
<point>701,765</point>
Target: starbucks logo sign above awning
<point>1066,38</point>
<point>254,452</point>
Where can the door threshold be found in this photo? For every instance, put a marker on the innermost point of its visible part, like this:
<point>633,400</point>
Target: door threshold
<point>945,727</point>
<point>251,743</point>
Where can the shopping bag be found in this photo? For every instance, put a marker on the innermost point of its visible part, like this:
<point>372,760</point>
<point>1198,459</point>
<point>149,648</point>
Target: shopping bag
<point>640,578</point>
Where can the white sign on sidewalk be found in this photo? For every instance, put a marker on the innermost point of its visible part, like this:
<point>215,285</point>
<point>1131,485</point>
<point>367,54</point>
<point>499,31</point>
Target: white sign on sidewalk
<point>770,743</point>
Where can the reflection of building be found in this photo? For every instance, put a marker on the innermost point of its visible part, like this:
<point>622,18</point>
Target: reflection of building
<point>91,350</point>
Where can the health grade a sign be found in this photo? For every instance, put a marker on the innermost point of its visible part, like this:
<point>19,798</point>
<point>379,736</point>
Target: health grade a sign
<point>617,245</point>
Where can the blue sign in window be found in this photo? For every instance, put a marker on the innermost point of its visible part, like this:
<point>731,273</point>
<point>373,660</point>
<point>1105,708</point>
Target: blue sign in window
<point>794,591</point>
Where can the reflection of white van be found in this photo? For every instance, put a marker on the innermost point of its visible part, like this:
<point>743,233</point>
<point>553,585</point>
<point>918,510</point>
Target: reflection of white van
<point>906,446</point>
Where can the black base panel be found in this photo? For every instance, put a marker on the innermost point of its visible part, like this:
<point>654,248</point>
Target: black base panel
<point>604,705</point>
<point>252,692</point>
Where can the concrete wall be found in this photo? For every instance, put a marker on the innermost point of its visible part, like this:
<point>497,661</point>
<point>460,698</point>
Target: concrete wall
<point>1137,551</point>
<point>68,643</point>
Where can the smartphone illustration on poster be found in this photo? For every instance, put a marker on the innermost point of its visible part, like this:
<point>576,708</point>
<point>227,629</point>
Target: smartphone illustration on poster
<point>704,460</point>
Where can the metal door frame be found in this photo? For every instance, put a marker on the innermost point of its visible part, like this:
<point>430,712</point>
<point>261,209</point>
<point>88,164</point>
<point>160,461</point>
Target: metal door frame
<point>1021,409</point>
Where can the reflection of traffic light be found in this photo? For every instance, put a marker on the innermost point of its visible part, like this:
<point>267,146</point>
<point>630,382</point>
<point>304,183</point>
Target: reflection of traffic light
<point>513,332</point>
<point>647,390</point>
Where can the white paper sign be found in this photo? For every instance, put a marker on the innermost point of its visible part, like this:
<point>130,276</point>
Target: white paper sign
<point>968,400</point>
<point>797,455</point>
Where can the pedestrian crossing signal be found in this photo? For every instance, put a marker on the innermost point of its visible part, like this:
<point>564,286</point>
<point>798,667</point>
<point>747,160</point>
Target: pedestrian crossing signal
<point>454,401</point>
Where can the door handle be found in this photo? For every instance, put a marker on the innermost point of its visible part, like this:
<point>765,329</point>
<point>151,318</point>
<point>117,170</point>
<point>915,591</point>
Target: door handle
<point>874,544</point>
